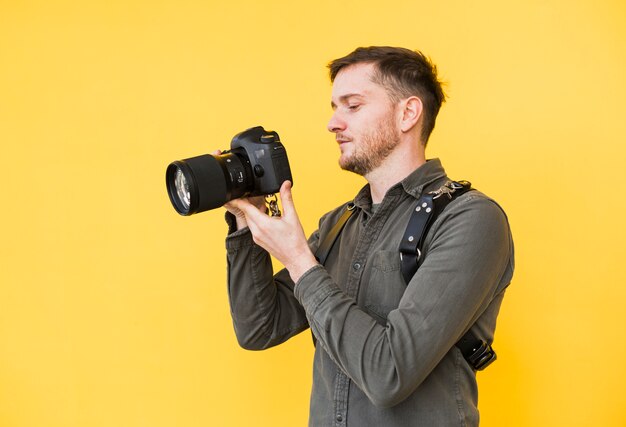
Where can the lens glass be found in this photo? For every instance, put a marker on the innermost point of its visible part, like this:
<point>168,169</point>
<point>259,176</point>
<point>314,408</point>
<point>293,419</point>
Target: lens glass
<point>182,189</point>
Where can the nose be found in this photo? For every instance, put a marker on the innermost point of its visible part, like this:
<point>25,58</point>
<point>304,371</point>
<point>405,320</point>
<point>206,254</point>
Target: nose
<point>336,124</point>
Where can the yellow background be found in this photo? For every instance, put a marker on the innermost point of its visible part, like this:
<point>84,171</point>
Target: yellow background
<point>113,309</point>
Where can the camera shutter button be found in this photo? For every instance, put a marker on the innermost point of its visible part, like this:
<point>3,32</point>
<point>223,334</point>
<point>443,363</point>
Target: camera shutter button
<point>268,138</point>
<point>258,170</point>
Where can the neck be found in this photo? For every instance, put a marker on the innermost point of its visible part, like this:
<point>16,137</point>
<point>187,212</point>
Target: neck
<point>397,166</point>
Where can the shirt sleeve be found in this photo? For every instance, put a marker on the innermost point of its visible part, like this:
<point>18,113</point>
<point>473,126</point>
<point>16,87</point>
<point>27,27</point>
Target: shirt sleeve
<point>263,307</point>
<point>469,255</point>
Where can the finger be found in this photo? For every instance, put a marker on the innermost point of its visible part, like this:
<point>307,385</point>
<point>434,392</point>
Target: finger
<point>286,198</point>
<point>235,203</point>
<point>237,207</point>
<point>251,211</point>
<point>259,202</point>
<point>256,221</point>
<point>234,210</point>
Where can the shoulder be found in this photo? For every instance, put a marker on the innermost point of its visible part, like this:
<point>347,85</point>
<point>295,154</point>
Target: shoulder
<point>475,206</point>
<point>472,216</point>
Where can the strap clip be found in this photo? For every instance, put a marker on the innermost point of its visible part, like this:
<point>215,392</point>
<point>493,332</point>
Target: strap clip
<point>449,188</point>
<point>482,356</point>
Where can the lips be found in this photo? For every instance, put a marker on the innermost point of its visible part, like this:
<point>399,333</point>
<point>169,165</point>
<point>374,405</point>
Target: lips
<point>341,139</point>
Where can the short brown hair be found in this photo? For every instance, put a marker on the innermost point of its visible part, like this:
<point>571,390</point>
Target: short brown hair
<point>403,73</point>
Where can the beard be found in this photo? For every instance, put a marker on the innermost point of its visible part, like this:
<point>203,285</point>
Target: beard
<point>373,148</point>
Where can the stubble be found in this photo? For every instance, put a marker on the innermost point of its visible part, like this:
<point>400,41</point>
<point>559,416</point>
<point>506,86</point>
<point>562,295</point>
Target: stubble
<point>372,149</point>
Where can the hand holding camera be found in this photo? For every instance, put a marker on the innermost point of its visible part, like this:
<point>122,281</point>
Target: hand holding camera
<point>257,201</point>
<point>283,237</point>
<point>239,179</point>
<point>255,165</point>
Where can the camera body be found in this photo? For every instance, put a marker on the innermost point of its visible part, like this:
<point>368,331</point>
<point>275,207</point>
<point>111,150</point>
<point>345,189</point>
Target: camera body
<point>255,165</point>
<point>266,157</point>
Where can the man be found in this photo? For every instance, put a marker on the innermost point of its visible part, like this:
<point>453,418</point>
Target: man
<point>385,353</point>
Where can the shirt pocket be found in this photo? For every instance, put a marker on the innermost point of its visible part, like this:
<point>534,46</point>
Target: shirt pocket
<point>385,286</point>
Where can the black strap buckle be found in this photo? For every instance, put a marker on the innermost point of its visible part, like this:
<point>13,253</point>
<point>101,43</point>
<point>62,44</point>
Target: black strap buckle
<point>482,356</point>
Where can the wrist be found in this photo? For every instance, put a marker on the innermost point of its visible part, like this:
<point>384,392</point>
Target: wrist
<point>301,265</point>
<point>234,223</point>
<point>240,222</point>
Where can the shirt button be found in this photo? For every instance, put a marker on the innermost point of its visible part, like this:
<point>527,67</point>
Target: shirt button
<point>339,418</point>
<point>356,266</point>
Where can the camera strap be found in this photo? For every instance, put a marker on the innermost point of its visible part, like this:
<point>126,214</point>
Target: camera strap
<point>272,202</point>
<point>427,209</point>
<point>478,353</point>
<point>327,244</point>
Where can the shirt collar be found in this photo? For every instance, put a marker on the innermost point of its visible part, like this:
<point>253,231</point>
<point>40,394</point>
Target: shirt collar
<point>414,184</point>
<point>423,177</point>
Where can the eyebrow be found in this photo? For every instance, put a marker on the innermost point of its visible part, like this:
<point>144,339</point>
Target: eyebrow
<point>344,98</point>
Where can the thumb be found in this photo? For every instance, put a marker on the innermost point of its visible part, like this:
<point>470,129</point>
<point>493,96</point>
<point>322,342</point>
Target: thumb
<point>286,198</point>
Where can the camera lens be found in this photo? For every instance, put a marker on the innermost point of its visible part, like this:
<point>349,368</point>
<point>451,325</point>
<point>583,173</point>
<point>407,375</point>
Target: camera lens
<point>182,189</point>
<point>207,182</point>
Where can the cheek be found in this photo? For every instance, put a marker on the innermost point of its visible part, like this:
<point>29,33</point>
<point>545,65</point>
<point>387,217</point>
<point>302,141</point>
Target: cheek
<point>358,126</point>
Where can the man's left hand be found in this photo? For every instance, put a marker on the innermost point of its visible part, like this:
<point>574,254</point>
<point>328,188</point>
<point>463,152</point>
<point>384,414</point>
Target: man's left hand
<point>283,237</point>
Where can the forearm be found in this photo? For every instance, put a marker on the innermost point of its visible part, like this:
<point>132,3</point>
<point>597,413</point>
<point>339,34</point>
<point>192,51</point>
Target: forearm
<point>364,349</point>
<point>451,289</point>
<point>387,362</point>
<point>264,310</point>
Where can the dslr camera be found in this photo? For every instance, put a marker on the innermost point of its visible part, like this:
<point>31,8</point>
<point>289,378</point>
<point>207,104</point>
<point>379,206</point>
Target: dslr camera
<point>255,165</point>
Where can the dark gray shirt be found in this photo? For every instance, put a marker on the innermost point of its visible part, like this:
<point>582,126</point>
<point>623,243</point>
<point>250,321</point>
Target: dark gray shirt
<point>385,353</point>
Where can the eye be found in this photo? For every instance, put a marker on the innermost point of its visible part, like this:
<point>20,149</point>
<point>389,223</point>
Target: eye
<point>353,107</point>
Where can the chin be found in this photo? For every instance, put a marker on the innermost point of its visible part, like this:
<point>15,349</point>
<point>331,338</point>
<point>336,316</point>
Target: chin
<point>344,160</point>
<point>346,151</point>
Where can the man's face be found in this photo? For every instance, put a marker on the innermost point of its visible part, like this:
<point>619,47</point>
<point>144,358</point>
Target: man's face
<point>364,120</point>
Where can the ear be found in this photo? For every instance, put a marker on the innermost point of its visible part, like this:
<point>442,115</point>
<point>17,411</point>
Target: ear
<point>411,108</point>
